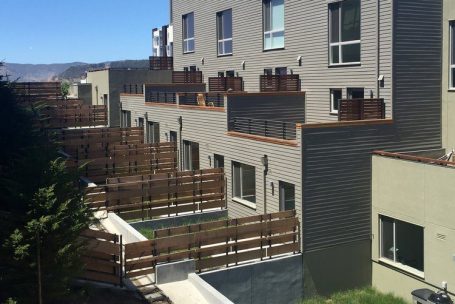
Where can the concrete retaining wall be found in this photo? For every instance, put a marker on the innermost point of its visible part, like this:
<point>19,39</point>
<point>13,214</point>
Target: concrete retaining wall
<point>274,281</point>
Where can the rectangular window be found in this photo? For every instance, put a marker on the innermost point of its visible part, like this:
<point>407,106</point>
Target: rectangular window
<point>287,196</point>
<point>273,20</point>
<point>344,32</point>
<point>218,161</point>
<point>190,156</point>
<point>188,33</point>
<point>335,97</point>
<point>230,73</point>
<point>140,122</point>
<point>355,93</point>
<point>401,243</point>
<point>153,132</point>
<point>281,71</point>
<point>243,182</point>
<point>224,29</point>
<point>452,55</point>
<point>126,119</point>
<point>173,136</point>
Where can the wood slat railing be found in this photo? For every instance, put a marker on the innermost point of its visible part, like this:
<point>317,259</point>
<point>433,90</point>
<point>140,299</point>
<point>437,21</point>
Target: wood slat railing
<point>161,63</point>
<point>223,84</point>
<point>361,109</point>
<point>279,83</point>
<point>187,77</point>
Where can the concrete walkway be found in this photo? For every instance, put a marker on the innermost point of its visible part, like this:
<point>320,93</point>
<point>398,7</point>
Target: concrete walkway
<point>183,292</point>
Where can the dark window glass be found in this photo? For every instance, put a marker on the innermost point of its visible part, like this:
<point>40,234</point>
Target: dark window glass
<point>287,196</point>
<point>355,93</point>
<point>334,22</point>
<point>281,71</point>
<point>351,52</point>
<point>218,161</point>
<point>335,96</point>
<point>350,28</point>
<point>230,73</point>
<point>173,136</point>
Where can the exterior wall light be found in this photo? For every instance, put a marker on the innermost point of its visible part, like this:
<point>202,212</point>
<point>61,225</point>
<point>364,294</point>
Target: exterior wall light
<point>243,64</point>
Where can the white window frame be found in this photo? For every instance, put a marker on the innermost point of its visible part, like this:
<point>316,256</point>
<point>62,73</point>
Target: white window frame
<point>272,32</point>
<point>332,101</point>
<point>394,263</point>
<point>452,50</point>
<point>282,198</point>
<point>340,43</point>
<point>188,39</point>
<point>222,42</point>
<point>240,199</point>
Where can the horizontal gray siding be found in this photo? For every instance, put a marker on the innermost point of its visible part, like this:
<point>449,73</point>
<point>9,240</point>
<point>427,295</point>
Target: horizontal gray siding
<point>209,130</point>
<point>289,108</point>
<point>306,35</point>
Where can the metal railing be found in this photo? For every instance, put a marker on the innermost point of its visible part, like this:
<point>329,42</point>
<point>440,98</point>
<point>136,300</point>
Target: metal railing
<point>202,99</point>
<point>279,83</point>
<point>133,89</point>
<point>267,128</point>
<point>161,63</point>
<point>160,97</point>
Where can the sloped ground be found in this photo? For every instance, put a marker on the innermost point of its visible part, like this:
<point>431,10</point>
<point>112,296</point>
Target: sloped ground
<point>361,296</point>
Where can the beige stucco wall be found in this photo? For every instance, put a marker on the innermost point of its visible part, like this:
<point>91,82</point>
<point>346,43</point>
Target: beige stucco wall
<point>424,195</point>
<point>100,85</point>
<point>448,96</point>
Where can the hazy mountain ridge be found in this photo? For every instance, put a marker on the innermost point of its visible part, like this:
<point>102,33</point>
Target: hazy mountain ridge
<point>73,71</point>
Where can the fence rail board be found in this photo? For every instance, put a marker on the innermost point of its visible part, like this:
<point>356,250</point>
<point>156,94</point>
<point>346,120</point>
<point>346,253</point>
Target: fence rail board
<point>216,244</point>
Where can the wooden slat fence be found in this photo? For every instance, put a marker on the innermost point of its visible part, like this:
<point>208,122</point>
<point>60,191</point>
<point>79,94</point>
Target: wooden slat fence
<point>361,109</point>
<point>103,257</point>
<point>186,77</point>
<point>217,244</point>
<point>69,116</point>
<point>161,63</point>
<point>30,92</point>
<point>149,196</point>
<point>126,160</point>
<point>279,83</point>
<point>87,141</point>
<point>222,84</point>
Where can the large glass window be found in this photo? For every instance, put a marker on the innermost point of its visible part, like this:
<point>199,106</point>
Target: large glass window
<point>244,182</point>
<point>273,24</point>
<point>224,29</point>
<point>452,55</point>
<point>188,33</point>
<point>287,196</point>
<point>401,243</point>
<point>344,32</point>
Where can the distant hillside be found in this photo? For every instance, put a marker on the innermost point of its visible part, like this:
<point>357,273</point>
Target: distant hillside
<point>73,71</point>
<point>36,72</point>
<point>78,71</point>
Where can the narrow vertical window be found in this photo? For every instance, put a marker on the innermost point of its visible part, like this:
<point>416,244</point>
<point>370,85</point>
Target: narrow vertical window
<point>224,32</point>
<point>344,32</point>
<point>287,196</point>
<point>188,33</point>
<point>273,20</point>
<point>335,97</point>
<point>244,182</point>
<point>452,55</point>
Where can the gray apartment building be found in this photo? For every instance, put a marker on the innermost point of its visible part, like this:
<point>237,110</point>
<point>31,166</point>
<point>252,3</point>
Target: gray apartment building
<point>281,135</point>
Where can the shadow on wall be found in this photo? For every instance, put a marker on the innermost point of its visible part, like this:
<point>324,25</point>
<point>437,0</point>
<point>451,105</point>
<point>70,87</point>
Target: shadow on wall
<point>337,269</point>
<point>275,281</point>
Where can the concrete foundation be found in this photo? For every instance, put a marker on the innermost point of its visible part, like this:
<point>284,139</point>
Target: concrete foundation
<point>174,272</point>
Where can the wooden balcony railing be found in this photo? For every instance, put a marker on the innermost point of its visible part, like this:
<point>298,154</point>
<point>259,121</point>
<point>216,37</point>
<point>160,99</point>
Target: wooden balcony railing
<point>222,84</point>
<point>361,109</point>
<point>267,128</point>
<point>133,89</point>
<point>202,99</point>
<point>161,63</point>
<point>160,97</point>
<point>279,83</point>
<point>186,77</point>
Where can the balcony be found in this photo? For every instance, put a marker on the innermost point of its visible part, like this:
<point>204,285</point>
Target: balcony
<point>279,83</point>
<point>186,77</point>
<point>223,84</point>
<point>161,63</point>
<point>202,99</point>
<point>133,89</point>
<point>265,128</point>
<point>361,109</point>
<point>160,97</point>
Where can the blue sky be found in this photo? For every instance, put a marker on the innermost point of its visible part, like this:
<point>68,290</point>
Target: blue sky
<point>59,31</point>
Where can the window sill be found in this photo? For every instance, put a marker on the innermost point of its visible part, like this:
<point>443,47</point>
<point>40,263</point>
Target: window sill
<point>333,113</point>
<point>275,49</point>
<point>244,202</point>
<point>403,267</point>
<point>184,53</point>
<point>225,55</point>
<point>349,64</point>
<point>451,90</point>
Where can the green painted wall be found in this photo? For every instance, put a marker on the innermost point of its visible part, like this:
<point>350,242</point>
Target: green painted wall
<point>448,96</point>
<point>420,194</point>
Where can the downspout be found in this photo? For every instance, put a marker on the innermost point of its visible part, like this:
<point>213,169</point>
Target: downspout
<point>180,121</point>
<point>265,163</point>
<point>378,46</point>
